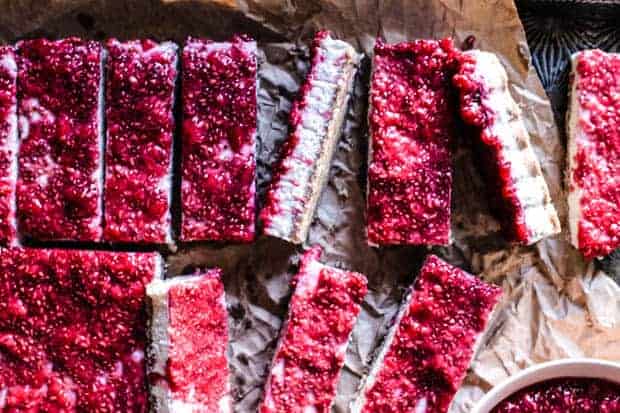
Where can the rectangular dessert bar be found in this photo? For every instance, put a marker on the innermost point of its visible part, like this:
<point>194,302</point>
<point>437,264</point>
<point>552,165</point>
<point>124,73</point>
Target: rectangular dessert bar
<point>8,146</point>
<point>188,344</point>
<point>72,330</point>
<point>411,132</point>
<point>140,88</point>
<point>518,191</point>
<point>219,139</point>
<point>427,352</point>
<point>316,122</point>
<point>313,341</point>
<point>60,93</point>
<point>593,158</point>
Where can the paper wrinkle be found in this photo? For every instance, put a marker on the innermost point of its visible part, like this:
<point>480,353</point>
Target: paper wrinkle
<point>555,305</point>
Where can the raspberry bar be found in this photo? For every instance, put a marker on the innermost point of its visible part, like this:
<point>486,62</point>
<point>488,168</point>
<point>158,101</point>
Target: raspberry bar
<point>8,145</point>
<point>219,138</point>
<point>72,330</point>
<point>316,123</point>
<point>60,180</point>
<point>519,194</point>
<point>426,354</point>
<point>411,137</point>
<point>593,157</point>
<point>313,341</point>
<point>139,97</point>
<point>189,337</point>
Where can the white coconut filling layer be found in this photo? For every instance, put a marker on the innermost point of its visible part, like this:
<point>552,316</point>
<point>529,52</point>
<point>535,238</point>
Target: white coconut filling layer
<point>298,189</point>
<point>179,406</point>
<point>576,137</point>
<point>165,184</point>
<point>539,214</point>
<point>9,64</point>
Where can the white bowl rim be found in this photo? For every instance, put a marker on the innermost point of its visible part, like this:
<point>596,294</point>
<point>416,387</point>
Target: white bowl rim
<point>572,367</point>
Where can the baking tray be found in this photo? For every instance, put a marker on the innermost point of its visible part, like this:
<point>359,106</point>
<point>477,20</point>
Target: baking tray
<point>555,29</point>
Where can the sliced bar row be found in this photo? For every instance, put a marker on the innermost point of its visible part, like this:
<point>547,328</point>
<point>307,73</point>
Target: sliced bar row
<point>62,191</point>
<point>103,331</point>
<point>413,103</point>
<point>417,91</point>
<point>412,133</point>
<point>419,366</point>
<point>58,189</point>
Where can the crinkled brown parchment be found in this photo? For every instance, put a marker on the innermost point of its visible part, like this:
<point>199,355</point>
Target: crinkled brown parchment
<point>555,304</point>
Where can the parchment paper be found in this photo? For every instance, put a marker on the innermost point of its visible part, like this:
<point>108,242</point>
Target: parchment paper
<point>555,304</point>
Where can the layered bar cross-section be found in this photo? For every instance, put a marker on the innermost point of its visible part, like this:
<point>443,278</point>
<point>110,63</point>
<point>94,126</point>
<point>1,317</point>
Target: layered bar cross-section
<point>188,367</point>
<point>219,139</point>
<point>594,153</point>
<point>411,130</point>
<point>316,123</point>
<point>313,341</point>
<point>8,146</point>
<point>60,93</point>
<point>140,88</point>
<point>427,352</point>
<point>519,196</point>
<point>72,330</point>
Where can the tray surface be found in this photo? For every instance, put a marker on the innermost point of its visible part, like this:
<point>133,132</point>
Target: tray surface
<point>557,29</point>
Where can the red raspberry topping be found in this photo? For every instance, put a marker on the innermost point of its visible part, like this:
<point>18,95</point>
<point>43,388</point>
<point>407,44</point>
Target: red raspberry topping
<point>434,341</point>
<point>412,129</point>
<point>140,92</point>
<point>59,186</point>
<point>568,395</point>
<point>197,365</point>
<point>8,144</point>
<point>596,171</point>
<point>307,363</point>
<point>72,330</point>
<point>219,133</point>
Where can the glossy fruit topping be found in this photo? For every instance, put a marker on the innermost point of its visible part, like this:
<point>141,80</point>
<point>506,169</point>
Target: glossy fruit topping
<point>219,134</point>
<point>311,352</point>
<point>60,160</point>
<point>72,330</point>
<point>412,129</point>
<point>432,346</point>
<point>139,97</point>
